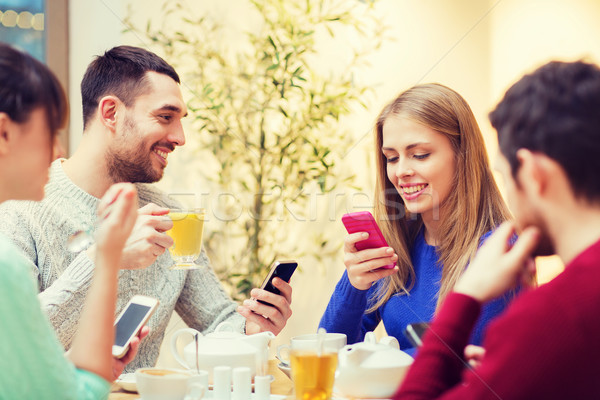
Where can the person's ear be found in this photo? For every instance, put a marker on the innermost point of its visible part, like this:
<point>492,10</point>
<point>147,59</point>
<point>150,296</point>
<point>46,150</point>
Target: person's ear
<point>107,111</point>
<point>5,133</point>
<point>531,175</point>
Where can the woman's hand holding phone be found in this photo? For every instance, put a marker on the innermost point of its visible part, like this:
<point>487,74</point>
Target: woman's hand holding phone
<point>367,266</point>
<point>119,364</point>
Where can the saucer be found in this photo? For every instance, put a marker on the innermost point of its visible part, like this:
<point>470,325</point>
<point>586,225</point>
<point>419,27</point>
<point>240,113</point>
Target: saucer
<point>285,369</point>
<point>127,382</point>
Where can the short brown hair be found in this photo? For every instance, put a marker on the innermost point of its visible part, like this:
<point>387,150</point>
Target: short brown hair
<point>120,72</point>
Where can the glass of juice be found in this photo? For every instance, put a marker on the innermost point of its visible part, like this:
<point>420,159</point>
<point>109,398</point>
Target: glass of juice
<point>188,225</point>
<point>313,373</point>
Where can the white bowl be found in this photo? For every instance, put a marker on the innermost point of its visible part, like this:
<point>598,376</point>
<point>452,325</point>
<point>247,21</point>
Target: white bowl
<point>369,383</point>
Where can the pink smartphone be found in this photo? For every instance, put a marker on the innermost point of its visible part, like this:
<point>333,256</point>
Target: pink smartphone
<point>363,221</point>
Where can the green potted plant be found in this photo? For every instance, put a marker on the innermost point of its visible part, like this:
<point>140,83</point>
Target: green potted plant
<point>268,114</point>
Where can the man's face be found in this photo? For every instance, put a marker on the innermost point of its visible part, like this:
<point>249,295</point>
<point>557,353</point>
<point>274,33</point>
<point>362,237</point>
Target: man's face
<point>148,132</point>
<point>524,210</point>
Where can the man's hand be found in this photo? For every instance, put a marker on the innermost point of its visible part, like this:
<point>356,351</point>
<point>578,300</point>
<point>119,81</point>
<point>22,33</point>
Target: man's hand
<point>148,239</point>
<point>474,355</point>
<point>498,267</point>
<point>120,363</point>
<point>261,317</point>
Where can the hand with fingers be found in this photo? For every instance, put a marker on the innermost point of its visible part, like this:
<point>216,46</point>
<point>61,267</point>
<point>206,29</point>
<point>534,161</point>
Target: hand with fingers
<point>148,239</point>
<point>270,317</point>
<point>365,266</point>
<point>119,364</point>
<point>474,355</point>
<point>498,266</point>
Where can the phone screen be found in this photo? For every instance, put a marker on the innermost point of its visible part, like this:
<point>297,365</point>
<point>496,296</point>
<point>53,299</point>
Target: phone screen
<point>128,322</point>
<point>415,332</point>
<point>282,271</point>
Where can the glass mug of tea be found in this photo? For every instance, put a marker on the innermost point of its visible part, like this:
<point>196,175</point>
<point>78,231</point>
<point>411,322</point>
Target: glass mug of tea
<point>313,371</point>
<point>188,225</point>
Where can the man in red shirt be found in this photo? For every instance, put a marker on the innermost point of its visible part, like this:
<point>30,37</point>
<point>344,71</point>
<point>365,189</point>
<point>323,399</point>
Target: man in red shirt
<point>546,345</point>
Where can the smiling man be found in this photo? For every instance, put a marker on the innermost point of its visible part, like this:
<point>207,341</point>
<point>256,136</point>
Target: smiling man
<point>132,111</point>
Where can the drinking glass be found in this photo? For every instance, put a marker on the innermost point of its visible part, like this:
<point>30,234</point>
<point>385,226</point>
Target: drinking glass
<point>313,373</point>
<point>188,225</point>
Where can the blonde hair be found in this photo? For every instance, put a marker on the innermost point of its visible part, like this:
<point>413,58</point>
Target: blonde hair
<point>473,208</point>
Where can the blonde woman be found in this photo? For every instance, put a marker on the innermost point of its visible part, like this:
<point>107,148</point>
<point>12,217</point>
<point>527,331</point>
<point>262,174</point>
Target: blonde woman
<point>436,201</point>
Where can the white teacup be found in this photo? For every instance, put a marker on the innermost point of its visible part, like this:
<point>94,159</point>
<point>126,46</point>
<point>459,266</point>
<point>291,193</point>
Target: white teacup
<point>169,384</point>
<point>332,342</point>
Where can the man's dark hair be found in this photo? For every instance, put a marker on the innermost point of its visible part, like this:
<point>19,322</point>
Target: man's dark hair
<point>555,111</point>
<point>25,85</point>
<point>120,72</point>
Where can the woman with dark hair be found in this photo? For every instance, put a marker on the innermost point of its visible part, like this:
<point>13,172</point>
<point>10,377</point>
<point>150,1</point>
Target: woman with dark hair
<point>436,201</point>
<point>33,364</point>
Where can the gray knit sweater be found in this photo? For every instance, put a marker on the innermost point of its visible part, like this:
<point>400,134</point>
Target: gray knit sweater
<point>41,229</point>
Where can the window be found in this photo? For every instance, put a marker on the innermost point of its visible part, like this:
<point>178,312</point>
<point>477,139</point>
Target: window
<point>39,27</point>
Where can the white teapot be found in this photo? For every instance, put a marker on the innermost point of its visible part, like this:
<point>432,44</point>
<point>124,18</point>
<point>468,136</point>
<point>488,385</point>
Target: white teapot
<point>371,370</point>
<point>224,347</point>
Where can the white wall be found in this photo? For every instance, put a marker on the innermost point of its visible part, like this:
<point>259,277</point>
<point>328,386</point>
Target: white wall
<point>93,28</point>
<point>526,35</point>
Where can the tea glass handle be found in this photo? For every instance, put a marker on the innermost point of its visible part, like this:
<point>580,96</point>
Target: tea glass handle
<point>283,353</point>
<point>181,360</point>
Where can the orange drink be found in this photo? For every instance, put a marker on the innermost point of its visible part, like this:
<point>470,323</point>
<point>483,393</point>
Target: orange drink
<point>313,374</point>
<point>187,237</point>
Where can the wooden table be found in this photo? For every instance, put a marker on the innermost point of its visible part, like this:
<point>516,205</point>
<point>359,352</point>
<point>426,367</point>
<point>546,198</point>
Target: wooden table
<point>281,385</point>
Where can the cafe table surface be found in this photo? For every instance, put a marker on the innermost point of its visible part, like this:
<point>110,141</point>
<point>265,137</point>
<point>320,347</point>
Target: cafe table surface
<point>280,385</point>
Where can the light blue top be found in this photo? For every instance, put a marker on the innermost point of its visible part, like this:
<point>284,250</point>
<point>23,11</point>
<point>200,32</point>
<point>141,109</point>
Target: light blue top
<point>32,361</point>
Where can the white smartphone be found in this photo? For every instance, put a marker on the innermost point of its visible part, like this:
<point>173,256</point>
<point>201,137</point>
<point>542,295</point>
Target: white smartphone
<point>128,324</point>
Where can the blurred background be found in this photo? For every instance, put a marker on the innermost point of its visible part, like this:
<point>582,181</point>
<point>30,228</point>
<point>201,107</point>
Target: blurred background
<point>354,57</point>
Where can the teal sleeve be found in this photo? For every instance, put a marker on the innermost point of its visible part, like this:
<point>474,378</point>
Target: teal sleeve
<point>32,360</point>
<point>91,386</point>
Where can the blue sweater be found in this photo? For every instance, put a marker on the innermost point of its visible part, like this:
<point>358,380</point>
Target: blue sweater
<point>345,312</point>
